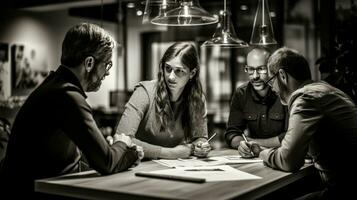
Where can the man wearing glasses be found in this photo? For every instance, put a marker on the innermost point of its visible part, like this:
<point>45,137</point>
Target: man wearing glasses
<point>55,129</point>
<point>255,109</point>
<point>322,123</point>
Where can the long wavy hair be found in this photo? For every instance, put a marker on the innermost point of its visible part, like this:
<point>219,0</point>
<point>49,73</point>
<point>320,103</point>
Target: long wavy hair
<point>192,95</point>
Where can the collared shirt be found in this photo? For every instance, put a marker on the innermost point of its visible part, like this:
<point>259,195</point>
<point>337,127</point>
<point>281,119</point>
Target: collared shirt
<point>139,120</point>
<point>263,117</point>
<point>322,122</point>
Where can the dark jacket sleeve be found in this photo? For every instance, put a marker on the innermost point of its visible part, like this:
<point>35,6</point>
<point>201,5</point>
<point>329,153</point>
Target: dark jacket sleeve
<point>80,126</point>
<point>236,123</point>
<point>304,121</point>
<point>4,137</point>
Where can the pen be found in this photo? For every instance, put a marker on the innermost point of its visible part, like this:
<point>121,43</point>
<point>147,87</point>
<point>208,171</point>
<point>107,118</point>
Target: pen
<point>245,139</point>
<point>214,134</point>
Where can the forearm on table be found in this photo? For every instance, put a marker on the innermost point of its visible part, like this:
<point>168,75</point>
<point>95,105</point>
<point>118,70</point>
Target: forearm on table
<point>267,142</point>
<point>166,153</point>
<point>151,151</point>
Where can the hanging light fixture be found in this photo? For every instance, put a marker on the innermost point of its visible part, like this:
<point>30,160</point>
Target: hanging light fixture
<point>155,8</point>
<point>262,33</point>
<point>188,13</point>
<point>225,35</point>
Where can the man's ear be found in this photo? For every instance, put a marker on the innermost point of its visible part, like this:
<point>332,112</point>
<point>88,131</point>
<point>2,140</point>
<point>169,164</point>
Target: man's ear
<point>193,73</point>
<point>283,76</point>
<point>89,63</point>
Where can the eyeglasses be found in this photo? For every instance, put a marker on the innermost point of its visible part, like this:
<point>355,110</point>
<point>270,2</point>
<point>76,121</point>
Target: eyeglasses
<point>270,80</point>
<point>108,64</point>
<point>260,69</point>
<point>179,72</point>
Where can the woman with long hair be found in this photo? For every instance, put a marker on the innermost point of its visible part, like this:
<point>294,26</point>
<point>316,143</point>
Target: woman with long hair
<point>167,116</point>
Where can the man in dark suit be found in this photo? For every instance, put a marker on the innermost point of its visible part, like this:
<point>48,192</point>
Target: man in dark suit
<point>55,125</point>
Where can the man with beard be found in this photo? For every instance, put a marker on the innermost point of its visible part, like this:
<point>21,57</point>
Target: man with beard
<point>256,111</point>
<point>55,125</point>
<point>322,123</point>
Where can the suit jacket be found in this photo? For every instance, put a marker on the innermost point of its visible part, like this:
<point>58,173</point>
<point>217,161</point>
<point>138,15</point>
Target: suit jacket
<point>51,131</point>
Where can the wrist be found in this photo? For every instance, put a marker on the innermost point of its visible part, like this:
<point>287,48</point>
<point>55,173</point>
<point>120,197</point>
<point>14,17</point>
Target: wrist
<point>236,141</point>
<point>165,153</point>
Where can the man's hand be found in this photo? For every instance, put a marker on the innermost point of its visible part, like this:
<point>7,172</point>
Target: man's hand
<point>127,140</point>
<point>249,149</point>
<point>201,148</point>
<point>123,138</point>
<point>119,137</point>
<point>139,153</point>
<point>110,140</point>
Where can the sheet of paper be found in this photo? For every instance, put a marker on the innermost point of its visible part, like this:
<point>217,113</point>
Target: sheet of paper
<point>210,173</point>
<point>232,159</point>
<point>186,163</point>
<point>211,161</point>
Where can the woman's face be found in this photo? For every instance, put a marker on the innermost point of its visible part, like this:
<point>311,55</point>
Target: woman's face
<point>176,76</point>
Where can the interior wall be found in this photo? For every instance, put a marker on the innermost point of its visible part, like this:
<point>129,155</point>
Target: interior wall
<point>134,46</point>
<point>46,30</point>
<point>300,33</point>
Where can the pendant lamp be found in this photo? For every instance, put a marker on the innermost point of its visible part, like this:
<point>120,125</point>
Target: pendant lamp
<point>262,33</point>
<point>225,35</point>
<point>155,8</point>
<point>188,13</point>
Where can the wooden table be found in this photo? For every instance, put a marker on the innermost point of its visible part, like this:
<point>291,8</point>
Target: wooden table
<point>125,185</point>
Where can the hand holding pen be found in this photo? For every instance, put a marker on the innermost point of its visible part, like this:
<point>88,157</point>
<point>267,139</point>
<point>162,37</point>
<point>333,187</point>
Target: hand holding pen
<point>201,147</point>
<point>248,149</point>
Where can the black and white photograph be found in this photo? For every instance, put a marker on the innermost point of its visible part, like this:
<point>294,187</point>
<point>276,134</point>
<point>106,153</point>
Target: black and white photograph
<point>178,99</point>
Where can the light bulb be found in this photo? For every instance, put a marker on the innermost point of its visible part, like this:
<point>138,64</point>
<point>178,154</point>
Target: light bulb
<point>184,16</point>
<point>263,34</point>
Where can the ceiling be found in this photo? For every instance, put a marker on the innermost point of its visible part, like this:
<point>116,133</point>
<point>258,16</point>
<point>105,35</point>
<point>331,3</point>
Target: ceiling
<point>52,4</point>
<point>98,9</point>
<point>95,9</point>
<point>72,3</point>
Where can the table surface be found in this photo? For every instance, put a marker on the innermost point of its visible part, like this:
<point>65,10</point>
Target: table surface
<point>91,185</point>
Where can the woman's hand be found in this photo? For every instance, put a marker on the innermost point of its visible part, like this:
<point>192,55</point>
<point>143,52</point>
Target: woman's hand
<point>201,147</point>
<point>180,151</point>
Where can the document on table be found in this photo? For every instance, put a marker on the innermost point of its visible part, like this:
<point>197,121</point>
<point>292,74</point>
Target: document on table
<point>232,159</point>
<point>208,173</point>
<point>193,162</point>
<point>211,161</point>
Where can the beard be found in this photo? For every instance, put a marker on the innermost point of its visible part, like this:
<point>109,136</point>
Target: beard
<point>93,86</point>
<point>283,92</point>
<point>258,84</point>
